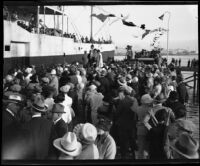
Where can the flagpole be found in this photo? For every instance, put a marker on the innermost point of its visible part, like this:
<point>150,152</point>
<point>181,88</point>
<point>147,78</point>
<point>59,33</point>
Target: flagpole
<point>91,32</point>
<point>168,36</point>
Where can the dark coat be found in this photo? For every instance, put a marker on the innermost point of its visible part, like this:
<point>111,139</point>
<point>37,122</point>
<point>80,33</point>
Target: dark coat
<point>42,135</point>
<point>105,86</point>
<point>156,142</point>
<point>7,119</point>
<point>61,128</point>
<point>182,93</point>
<point>16,142</point>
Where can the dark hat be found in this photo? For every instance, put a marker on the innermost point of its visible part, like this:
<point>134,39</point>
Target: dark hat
<point>173,95</point>
<point>160,98</point>
<point>186,146</point>
<point>58,108</point>
<point>38,104</point>
<point>104,123</point>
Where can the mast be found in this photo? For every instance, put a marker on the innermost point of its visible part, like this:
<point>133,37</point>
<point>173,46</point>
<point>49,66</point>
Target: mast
<point>91,32</point>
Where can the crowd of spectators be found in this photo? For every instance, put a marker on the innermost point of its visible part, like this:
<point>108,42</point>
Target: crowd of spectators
<point>77,112</point>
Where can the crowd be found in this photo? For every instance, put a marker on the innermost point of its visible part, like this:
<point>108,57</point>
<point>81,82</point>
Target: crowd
<point>86,111</point>
<point>193,63</point>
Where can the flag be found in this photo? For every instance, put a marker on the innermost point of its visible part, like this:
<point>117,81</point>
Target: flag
<point>123,18</point>
<point>145,33</point>
<point>103,17</point>
<point>142,26</point>
<point>128,23</point>
<point>161,17</point>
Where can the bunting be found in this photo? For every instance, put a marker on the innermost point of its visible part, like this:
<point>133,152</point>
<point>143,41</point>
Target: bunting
<point>103,17</point>
<point>128,23</point>
<point>118,18</point>
<point>161,17</point>
<point>145,33</point>
<point>142,26</point>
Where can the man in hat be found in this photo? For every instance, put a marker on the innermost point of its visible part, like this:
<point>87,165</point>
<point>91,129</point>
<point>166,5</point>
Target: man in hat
<point>54,81</point>
<point>11,111</point>
<point>104,87</point>
<point>42,130</point>
<point>129,53</point>
<point>68,146</point>
<point>142,111</point>
<point>86,134</point>
<point>105,143</point>
<point>93,101</point>
<point>184,147</point>
<point>125,117</point>
<point>60,125</point>
<point>157,106</point>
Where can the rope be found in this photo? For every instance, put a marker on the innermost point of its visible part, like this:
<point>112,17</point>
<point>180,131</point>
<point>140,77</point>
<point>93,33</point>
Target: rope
<point>101,28</point>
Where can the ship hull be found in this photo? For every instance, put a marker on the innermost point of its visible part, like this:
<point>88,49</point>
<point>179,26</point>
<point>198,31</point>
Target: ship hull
<point>22,48</point>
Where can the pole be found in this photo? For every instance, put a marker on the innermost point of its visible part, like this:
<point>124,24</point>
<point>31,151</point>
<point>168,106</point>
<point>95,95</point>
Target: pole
<point>91,33</point>
<point>44,19</point>
<point>168,37</point>
<point>38,11</point>
<point>62,20</point>
<point>194,88</point>
<point>54,20</point>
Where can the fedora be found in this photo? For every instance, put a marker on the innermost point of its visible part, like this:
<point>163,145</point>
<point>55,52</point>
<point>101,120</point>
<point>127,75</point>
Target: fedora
<point>160,98</point>
<point>38,104</point>
<point>121,81</point>
<point>86,133</point>
<point>186,125</point>
<point>186,146</point>
<point>68,144</point>
<point>45,80</point>
<point>58,108</point>
<point>14,98</point>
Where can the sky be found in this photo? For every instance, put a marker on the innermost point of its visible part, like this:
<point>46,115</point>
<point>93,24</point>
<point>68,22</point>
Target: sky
<point>183,24</point>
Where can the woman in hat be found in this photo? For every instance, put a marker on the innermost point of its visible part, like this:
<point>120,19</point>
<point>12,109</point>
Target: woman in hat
<point>68,146</point>
<point>86,134</point>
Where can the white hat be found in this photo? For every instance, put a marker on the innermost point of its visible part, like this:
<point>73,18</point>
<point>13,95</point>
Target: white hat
<point>146,99</point>
<point>92,87</point>
<point>68,144</point>
<point>28,70</point>
<point>86,133</point>
<point>170,88</point>
<point>53,71</point>
<point>135,79</point>
<point>65,88</point>
<point>9,78</point>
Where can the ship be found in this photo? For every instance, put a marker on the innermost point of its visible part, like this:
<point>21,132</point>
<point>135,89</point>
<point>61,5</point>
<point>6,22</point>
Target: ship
<point>24,46</point>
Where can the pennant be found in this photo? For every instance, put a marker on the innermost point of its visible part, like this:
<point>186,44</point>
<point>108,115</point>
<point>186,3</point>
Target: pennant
<point>142,26</point>
<point>128,23</point>
<point>161,17</point>
<point>123,18</point>
<point>145,33</point>
<point>103,17</point>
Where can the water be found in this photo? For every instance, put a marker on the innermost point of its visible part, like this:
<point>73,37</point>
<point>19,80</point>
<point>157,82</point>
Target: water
<point>184,58</point>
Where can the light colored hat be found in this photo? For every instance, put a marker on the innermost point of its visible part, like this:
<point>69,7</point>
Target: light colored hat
<point>68,144</point>
<point>53,72</point>
<point>128,77</point>
<point>14,98</point>
<point>146,99</point>
<point>186,146</point>
<point>121,81</point>
<point>9,78</point>
<point>92,87</point>
<point>45,80</point>
<point>65,88</point>
<point>135,79</point>
<point>186,125</point>
<point>86,133</point>
<point>28,70</point>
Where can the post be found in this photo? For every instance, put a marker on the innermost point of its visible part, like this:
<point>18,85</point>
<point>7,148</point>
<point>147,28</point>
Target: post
<point>54,20</point>
<point>38,11</point>
<point>197,88</point>
<point>168,37</point>
<point>91,33</point>
<point>194,88</point>
<point>67,25</point>
<point>44,19</point>
<point>62,19</point>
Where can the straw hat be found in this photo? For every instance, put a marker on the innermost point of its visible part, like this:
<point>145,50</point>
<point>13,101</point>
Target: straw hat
<point>86,133</point>
<point>68,144</point>
<point>186,146</point>
<point>14,98</point>
<point>53,72</point>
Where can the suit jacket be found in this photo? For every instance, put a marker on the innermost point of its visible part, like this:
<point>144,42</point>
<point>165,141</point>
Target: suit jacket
<point>7,119</point>
<point>61,128</point>
<point>42,135</point>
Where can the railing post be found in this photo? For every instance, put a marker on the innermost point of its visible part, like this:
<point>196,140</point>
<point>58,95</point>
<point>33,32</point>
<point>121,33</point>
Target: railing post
<point>197,88</point>
<point>194,88</point>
